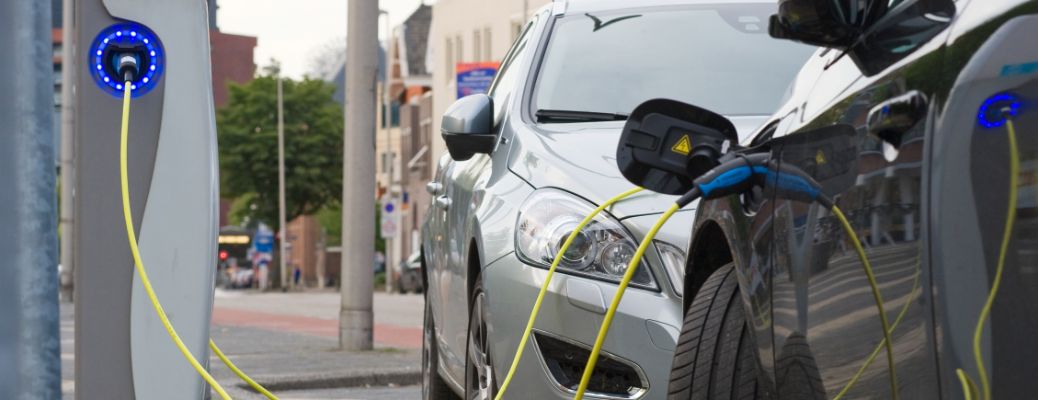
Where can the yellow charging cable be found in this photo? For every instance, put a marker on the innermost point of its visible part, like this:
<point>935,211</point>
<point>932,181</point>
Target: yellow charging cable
<point>879,347</point>
<point>608,320</point>
<point>547,280</point>
<point>256,386</point>
<point>969,388</point>
<point>139,264</point>
<point>867,266</point>
<point>132,237</point>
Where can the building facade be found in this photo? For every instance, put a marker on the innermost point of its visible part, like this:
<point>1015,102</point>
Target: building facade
<point>403,141</point>
<point>468,31</point>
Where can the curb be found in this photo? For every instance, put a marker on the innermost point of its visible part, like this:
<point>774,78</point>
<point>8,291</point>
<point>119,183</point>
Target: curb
<point>399,377</point>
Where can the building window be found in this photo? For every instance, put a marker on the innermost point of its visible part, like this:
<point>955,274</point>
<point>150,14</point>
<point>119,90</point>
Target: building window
<point>448,58</point>
<point>489,55</point>
<point>477,46</point>
<point>459,46</point>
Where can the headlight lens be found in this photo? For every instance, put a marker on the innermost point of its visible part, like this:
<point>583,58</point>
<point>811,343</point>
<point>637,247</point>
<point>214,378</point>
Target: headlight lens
<point>674,263</point>
<point>602,250</point>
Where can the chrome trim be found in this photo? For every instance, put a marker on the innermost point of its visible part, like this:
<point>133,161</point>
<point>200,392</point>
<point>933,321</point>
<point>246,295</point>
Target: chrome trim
<point>560,387</point>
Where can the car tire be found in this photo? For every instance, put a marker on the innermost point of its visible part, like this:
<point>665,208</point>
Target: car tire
<point>479,367</point>
<point>714,358</point>
<point>433,385</point>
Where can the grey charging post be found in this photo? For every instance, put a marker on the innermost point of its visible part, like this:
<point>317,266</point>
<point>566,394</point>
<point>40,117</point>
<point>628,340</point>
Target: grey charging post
<point>122,349</point>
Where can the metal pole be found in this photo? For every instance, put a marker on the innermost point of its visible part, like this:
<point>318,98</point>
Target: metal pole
<point>358,192</point>
<point>283,238</point>
<point>30,358</point>
<point>68,78</point>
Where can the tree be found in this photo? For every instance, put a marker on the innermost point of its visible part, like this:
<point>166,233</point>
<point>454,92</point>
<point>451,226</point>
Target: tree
<point>247,134</point>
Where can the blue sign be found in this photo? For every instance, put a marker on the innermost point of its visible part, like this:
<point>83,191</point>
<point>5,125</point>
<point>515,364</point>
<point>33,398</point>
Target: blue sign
<point>475,78</point>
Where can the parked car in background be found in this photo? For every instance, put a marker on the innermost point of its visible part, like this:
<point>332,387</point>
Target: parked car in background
<point>410,279</point>
<point>536,154</point>
<point>905,123</point>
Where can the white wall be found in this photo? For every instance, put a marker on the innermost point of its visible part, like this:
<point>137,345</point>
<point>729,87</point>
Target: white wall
<point>464,21</point>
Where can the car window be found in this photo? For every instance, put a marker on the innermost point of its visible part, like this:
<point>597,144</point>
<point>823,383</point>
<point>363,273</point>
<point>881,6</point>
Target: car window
<point>719,57</point>
<point>504,82</point>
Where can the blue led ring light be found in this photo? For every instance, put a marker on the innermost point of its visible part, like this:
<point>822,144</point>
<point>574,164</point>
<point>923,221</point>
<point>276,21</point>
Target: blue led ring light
<point>121,39</point>
<point>997,109</point>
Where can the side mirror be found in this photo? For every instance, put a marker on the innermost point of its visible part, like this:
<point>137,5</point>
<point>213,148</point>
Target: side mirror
<point>667,144</point>
<point>814,22</point>
<point>467,127</point>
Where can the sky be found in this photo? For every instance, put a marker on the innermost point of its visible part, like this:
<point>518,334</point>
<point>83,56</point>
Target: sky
<point>294,31</point>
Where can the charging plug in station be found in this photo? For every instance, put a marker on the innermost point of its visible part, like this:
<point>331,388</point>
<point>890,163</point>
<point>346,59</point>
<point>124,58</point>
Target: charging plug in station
<point>126,52</point>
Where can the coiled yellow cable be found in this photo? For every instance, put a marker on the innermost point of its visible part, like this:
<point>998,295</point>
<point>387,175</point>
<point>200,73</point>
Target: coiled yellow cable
<point>132,237</point>
<point>608,320</point>
<point>969,388</point>
<point>547,279</point>
<point>867,266</point>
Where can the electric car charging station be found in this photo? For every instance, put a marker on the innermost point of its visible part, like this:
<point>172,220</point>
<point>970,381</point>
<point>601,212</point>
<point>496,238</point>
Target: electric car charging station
<point>874,237</point>
<point>122,349</point>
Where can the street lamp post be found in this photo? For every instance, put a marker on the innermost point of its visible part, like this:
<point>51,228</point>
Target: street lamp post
<point>283,238</point>
<point>358,189</point>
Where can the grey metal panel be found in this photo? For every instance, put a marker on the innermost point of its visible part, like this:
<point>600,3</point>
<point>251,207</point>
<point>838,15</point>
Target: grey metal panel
<point>178,233</point>
<point>104,278</point>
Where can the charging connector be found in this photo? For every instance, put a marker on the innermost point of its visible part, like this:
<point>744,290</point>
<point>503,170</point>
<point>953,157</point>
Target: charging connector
<point>129,67</point>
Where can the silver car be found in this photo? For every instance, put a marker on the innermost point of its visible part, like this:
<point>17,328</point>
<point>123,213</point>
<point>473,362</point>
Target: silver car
<point>536,154</point>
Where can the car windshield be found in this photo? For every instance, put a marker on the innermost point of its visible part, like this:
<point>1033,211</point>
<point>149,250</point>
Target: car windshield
<point>718,57</point>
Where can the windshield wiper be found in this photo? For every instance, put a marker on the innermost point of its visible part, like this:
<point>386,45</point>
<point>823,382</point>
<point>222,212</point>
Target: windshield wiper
<point>544,115</point>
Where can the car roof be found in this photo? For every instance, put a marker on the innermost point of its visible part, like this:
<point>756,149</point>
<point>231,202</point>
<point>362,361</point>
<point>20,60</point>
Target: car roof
<point>582,6</point>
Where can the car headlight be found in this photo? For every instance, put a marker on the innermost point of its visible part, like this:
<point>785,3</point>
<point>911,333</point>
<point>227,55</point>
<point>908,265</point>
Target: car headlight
<point>674,263</point>
<point>602,250</point>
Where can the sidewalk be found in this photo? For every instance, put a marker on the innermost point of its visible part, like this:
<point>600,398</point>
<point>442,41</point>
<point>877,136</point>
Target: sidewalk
<point>288,342</point>
<point>398,318</point>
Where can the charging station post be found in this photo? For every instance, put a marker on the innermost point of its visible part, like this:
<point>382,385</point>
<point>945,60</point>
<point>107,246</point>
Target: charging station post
<point>30,358</point>
<point>123,350</point>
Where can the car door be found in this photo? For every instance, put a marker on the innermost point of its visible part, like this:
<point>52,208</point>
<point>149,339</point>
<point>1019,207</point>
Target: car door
<point>435,241</point>
<point>863,137</point>
<point>464,184</point>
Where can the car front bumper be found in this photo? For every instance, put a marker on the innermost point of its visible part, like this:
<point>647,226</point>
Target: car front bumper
<point>643,334</point>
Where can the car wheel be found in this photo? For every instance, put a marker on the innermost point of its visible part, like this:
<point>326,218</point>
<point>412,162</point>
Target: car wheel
<point>433,385</point>
<point>479,371</point>
<point>714,357</point>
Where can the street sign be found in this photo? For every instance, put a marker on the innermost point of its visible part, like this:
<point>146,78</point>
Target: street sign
<point>388,225</point>
<point>475,77</point>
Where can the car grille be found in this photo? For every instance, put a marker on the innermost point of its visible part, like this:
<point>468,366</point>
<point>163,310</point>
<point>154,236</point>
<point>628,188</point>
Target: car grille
<point>612,378</point>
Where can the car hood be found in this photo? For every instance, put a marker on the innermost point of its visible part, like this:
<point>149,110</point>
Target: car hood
<point>581,158</point>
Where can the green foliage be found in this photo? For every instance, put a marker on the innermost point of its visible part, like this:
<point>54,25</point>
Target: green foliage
<point>330,219</point>
<point>247,134</point>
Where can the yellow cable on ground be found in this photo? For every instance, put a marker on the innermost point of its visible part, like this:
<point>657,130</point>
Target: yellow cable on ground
<point>978,332</point>
<point>875,295</point>
<point>132,237</point>
<point>547,280</point>
<point>879,347</point>
<point>608,320</point>
<point>256,386</point>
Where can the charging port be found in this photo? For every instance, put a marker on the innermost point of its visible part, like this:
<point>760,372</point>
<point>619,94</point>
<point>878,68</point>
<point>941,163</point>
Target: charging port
<point>126,52</point>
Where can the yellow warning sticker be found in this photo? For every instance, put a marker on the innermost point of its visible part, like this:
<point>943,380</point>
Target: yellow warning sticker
<point>820,157</point>
<point>683,146</point>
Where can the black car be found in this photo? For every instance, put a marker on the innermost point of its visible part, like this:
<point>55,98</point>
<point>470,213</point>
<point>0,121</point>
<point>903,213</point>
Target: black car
<point>918,118</point>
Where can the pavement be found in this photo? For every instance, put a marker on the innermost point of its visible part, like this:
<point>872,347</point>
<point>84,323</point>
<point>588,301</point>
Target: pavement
<point>288,342</point>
